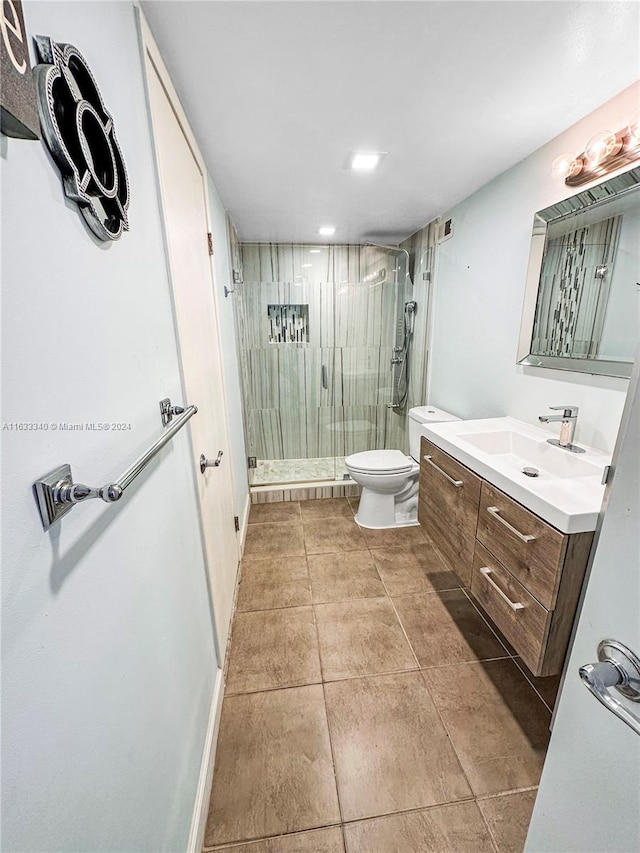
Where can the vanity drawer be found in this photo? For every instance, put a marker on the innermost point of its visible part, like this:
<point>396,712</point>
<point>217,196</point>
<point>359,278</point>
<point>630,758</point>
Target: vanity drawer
<point>528,547</point>
<point>449,497</point>
<point>523,621</point>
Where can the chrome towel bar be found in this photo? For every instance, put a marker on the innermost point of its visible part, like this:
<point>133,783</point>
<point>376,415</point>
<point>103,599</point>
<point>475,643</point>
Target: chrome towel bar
<point>56,493</point>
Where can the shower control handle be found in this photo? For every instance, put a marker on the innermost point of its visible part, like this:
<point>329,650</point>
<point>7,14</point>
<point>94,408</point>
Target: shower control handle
<point>323,376</point>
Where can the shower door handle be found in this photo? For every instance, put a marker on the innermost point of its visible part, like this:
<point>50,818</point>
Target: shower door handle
<point>323,376</point>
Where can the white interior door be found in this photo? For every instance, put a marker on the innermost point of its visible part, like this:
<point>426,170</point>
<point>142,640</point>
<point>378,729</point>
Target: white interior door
<point>589,798</point>
<point>184,203</point>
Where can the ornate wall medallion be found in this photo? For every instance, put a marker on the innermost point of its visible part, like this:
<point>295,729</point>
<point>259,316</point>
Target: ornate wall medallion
<point>80,134</point>
<point>18,111</point>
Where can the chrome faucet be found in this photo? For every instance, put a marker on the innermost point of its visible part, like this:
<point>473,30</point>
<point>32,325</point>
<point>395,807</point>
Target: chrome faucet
<point>568,419</point>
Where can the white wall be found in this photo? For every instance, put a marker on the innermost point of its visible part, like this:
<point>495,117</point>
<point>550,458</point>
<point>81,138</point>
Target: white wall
<point>230,366</point>
<point>480,284</point>
<point>108,655</point>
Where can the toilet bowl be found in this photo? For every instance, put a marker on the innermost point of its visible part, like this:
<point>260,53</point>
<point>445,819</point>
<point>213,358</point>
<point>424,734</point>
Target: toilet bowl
<point>389,478</point>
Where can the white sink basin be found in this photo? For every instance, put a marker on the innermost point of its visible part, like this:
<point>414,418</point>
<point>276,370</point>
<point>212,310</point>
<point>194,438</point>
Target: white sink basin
<point>567,491</point>
<point>520,451</point>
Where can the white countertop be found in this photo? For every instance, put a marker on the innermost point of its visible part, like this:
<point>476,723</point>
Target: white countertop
<point>567,493</point>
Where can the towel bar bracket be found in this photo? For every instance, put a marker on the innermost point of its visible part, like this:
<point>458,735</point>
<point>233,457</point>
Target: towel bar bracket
<point>56,493</point>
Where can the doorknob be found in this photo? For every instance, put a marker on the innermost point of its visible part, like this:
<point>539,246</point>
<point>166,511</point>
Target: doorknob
<point>210,463</point>
<point>617,672</point>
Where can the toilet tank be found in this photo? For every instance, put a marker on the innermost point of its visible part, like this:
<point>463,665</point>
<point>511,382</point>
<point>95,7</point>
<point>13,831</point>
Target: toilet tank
<point>424,415</point>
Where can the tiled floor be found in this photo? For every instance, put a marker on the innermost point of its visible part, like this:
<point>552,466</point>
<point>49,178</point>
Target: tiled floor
<point>369,707</point>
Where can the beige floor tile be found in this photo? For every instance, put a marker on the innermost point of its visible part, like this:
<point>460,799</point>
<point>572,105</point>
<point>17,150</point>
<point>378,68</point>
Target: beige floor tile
<point>273,540</point>
<point>326,536</point>
<point>413,568</point>
<point>394,537</point>
<point>444,627</point>
<point>354,500</point>
<point>274,513</point>
<point>361,638</point>
<point>497,723</point>
<point>271,583</point>
<point>456,828</point>
<point>390,748</point>
<point>316,841</point>
<point>326,508</point>
<point>508,819</point>
<point>273,648</point>
<point>547,687</point>
<point>343,576</point>
<point>274,773</point>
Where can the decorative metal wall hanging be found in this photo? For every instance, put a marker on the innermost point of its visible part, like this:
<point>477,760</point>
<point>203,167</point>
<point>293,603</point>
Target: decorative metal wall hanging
<point>18,110</point>
<point>80,134</point>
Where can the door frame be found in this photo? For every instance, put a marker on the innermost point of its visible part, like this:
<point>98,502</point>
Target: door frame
<point>149,52</point>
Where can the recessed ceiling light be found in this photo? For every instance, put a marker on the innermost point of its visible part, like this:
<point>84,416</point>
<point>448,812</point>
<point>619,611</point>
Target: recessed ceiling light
<point>366,161</point>
<point>326,230</point>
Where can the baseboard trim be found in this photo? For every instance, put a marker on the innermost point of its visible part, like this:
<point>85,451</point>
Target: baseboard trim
<point>245,523</point>
<point>203,791</point>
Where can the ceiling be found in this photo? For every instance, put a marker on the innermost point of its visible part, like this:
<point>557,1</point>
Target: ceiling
<point>279,94</point>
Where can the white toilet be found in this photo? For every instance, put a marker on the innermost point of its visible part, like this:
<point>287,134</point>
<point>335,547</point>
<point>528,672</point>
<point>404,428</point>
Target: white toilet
<point>389,479</point>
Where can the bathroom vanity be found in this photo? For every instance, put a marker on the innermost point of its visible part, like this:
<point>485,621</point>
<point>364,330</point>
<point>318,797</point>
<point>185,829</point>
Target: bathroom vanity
<point>520,545</point>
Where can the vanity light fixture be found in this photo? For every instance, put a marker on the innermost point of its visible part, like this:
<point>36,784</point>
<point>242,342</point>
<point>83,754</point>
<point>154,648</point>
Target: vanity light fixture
<point>605,152</point>
<point>326,230</point>
<point>366,161</point>
<point>566,166</point>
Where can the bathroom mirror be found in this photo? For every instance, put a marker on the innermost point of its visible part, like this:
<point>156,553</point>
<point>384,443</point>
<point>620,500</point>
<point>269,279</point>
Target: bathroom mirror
<point>581,308</point>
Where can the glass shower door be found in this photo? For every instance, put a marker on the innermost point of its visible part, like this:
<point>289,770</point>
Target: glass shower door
<point>287,353</point>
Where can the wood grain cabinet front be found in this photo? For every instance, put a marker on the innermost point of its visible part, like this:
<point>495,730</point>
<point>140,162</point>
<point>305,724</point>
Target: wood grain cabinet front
<point>449,496</point>
<point>531,549</point>
<point>524,573</point>
<point>523,620</point>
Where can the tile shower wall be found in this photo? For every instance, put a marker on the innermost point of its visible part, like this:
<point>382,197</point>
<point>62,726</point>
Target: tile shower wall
<point>351,296</point>
<point>422,250</point>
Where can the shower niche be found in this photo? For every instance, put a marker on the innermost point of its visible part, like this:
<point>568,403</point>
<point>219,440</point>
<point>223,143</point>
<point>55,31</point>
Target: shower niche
<point>288,324</point>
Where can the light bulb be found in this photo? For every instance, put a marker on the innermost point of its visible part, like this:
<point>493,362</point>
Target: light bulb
<point>566,166</point>
<point>601,146</point>
<point>633,132</point>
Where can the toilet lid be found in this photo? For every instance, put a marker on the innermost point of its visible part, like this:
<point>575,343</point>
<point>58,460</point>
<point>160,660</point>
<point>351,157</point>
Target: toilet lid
<point>382,461</point>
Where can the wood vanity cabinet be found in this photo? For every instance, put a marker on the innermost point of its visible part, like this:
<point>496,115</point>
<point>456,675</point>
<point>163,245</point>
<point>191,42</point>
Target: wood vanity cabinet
<point>448,499</point>
<point>523,572</point>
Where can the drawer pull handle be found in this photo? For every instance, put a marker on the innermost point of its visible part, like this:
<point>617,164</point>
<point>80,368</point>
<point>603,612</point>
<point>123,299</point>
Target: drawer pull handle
<point>456,483</point>
<point>514,605</point>
<point>523,537</point>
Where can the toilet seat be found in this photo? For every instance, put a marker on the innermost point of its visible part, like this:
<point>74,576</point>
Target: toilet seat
<point>380,462</point>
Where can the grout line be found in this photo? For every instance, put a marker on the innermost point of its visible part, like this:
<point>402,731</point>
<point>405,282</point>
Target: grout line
<point>514,657</point>
<point>397,614</point>
<point>326,714</point>
<point>523,669</point>
<point>365,819</point>
<point>507,793</point>
<point>484,820</point>
<point>233,694</point>
<point>344,837</point>
<point>447,732</point>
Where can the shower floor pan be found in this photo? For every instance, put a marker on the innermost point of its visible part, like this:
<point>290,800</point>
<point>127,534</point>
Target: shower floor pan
<point>284,471</point>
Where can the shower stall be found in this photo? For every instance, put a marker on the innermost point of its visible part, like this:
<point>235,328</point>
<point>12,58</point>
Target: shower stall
<point>327,345</point>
